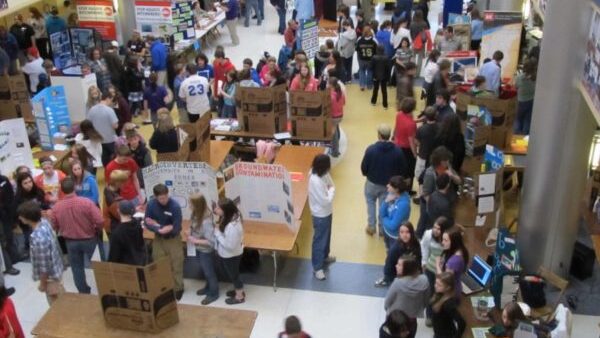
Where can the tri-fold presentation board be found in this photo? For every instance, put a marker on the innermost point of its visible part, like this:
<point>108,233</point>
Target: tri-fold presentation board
<point>15,149</point>
<point>263,192</point>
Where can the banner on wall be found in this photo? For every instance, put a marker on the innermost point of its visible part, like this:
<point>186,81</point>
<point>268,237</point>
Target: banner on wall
<point>98,14</point>
<point>502,31</point>
<point>15,149</point>
<point>154,17</point>
<point>263,192</point>
<point>590,80</point>
<point>183,180</point>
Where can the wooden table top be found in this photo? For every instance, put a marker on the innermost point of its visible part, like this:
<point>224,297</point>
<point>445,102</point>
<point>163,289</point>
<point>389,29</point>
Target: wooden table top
<point>218,152</point>
<point>78,315</point>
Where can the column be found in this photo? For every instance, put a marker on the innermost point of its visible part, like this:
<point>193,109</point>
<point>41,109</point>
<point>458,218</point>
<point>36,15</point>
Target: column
<point>559,145</point>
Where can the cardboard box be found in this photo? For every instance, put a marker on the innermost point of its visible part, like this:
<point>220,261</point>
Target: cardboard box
<point>15,101</point>
<point>310,104</point>
<point>312,127</point>
<point>476,137</point>
<point>503,111</point>
<point>262,110</point>
<point>263,123</point>
<point>139,298</point>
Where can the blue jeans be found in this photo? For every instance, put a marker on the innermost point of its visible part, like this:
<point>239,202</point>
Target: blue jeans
<point>523,120</point>
<point>388,241</point>
<point>261,9</point>
<point>208,269</point>
<point>335,142</point>
<point>321,241</point>
<point>374,194</point>
<point>281,12</point>
<point>423,218</point>
<point>254,5</point>
<point>365,74</point>
<point>79,251</point>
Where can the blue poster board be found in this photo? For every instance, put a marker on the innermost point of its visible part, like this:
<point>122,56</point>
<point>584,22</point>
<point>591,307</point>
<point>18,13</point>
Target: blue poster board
<point>51,114</point>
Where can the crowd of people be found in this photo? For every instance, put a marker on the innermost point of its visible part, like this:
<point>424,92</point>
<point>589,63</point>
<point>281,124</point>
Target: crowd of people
<point>417,161</point>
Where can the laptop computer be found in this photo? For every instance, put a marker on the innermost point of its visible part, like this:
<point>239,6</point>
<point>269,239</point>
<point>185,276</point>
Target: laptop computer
<point>477,277</point>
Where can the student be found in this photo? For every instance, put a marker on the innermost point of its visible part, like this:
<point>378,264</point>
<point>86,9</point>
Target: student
<point>493,73</point>
<point>406,244</point>
<point>293,329</point>
<point>289,36</point>
<point>131,190</point>
<point>281,13</point>
<point>156,96</point>
<point>431,69</point>
<point>346,45</point>
<point>85,183</point>
<point>105,121</point>
<point>46,259</point>
<point>181,75</point>
<point>227,92</point>
<point>338,100</point>
<point>479,88</point>
<point>421,36</point>
<point>98,65</point>
<point>271,64</point>
<point>126,241</point>
<point>139,152</point>
<point>163,217</point>
<point>383,37</point>
<point>247,64</point>
<point>454,258</point>
<point>399,33</point>
<point>245,78</point>
<point>9,322</point>
<point>396,325</point>
<point>229,239</point>
<point>91,140</point>
<point>525,84</point>
<point>33,68</point>
<point>431,249</point>
<point>404,135</point>
<point>79,221</point>
<point>512,315</point>
<point>409,292</point>
<point>27,191</point>
<point>203,237</point>
<point>7,243</point>
<point>476,29</point>
<point>442,105</point>
<point>405,83</point>
<point>49,180</point>
<point>449,43</point>
<point>304,81</point>
<point>232,10</point>
<point>366,48</point>
<point>395,209</point>
<point>425,142</point>
<point>446,319</point>
<point>321,191</point>
<point>204,68</point>
<point>381,66</point>
<point>112,197</point>
<point>343,14</point>
<point>221,67</point>
<point>159,55</point>
<point>360,22</point>
<point>450,136</point>
<point>194,91</point>
<point>404,54</point>
<point>440,82</point>
<point>440,203</point>
<point>164,138</point>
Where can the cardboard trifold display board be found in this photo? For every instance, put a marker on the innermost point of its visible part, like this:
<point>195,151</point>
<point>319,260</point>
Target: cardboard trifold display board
<point>139,298</point>
<point>311,114</point>
<point>262,110</point>
<point>14,98</point>
<point>263,192</point>
<point>15,149</point>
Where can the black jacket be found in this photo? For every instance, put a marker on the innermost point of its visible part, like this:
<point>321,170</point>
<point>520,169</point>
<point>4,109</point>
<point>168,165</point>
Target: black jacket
<point>448,322</point>
<point>366,49</point>
<point>132,81</point>
<point>7,196</point>
<point>382,68</point>
<point>164,142</point>
<point>127,244</point>
<point>383,160</point>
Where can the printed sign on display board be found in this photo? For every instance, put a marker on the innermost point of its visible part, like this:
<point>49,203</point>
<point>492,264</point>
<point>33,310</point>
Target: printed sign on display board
<point>502,31</point>
<point>263,192</point>
<point>154,17</point>
<point>183,180</point>
<point>308,37</point>
<point>51,114</point>
<point>98,14</point>
<point>15,149</point>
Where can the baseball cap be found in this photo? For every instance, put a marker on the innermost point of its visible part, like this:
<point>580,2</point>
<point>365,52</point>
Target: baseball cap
<point>114,44</point>
<point>33,52</point>
<point>126,208</point>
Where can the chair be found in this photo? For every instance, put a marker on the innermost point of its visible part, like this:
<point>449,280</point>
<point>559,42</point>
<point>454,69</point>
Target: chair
<point>546,313</point>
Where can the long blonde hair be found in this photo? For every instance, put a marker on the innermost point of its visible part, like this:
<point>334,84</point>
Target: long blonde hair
<point>165,122</point>
<point>305,80</point>
<point>90,100</point>
<point>199,207</point>
<point>438,299</point>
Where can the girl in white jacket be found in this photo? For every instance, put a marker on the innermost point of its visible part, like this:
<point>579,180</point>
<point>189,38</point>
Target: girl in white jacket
<point>320,199</point>
<point>229,238</point>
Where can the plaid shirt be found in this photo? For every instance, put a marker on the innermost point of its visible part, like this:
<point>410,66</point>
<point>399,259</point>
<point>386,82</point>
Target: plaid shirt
<point>45,255</point>
<point>76,217</point>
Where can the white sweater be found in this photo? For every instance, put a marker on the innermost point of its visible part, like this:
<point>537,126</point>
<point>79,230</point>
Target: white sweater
<point>94,148</point>
<point>230,243</point>
<point>320,195</point>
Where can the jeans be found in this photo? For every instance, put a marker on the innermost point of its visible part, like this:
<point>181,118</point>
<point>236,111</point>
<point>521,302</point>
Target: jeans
<point>321,241</point>
<point>347,69</point>
<point>208,269</point>
<point>232,269</point>
<point>261,9</point>
<point>365,74</point>
<point>523,120</point>
<point>78,251</point>
<point>419,57</point>
<point>376,85</point>
<point>431,278</point>
<point>254,5</point>
<point>388,241</point>
<point>374,194</point>
<point>103,255</point>
<point>108,150</point>
<point>281,12</point>
<point>423,218</point>
<point>335,142</point>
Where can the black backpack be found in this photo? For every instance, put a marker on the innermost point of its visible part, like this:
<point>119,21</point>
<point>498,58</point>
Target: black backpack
<point>532,290</point>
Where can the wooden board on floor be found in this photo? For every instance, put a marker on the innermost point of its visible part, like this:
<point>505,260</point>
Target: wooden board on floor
<point>78,315</point>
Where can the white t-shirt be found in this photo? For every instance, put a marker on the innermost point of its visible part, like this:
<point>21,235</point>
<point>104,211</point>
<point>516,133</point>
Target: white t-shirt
<point>194,91</point>
<point>94,148</point>
<point>396,38</point>
<point>34,69</point>
<point>320,195</point>
<point>431,68</point>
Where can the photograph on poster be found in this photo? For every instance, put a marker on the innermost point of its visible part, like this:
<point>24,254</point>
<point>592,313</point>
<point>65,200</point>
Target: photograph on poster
<point>591,75</point>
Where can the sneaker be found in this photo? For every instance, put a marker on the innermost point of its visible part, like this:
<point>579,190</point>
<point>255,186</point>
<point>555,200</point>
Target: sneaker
<point>385,107</point>
<point>428,322</point>
<point>209,299</point>
<point>12,272</point>
<point>416,200</point>
<point>320,275</point>
<point>202,292</point>
<point>10,291</point>
<point>381,282</point>
<point>330,259</point>
<point>146,122</point>
<point>230,293</point>
<point>234,301</point>
<point>370,231</point>
<point>373,104</point>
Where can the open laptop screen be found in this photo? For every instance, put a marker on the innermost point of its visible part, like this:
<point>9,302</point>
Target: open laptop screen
<point>480,270</point>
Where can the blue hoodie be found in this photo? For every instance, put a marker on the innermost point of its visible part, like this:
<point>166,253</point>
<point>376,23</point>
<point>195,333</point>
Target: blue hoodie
<point>88,188</point>
<point>394,214</point>
<point>383,38</point>
<point>254,75</point>
<point>159,56</point>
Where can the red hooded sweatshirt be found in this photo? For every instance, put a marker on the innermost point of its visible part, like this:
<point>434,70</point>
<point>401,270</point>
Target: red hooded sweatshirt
<point>221,70</point>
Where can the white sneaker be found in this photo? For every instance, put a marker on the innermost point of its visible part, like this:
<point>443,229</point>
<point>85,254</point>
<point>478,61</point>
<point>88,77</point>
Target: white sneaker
<point>320,275</point>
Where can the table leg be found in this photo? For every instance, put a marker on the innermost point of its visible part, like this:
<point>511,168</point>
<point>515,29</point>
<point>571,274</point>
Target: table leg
<point>274,271</point>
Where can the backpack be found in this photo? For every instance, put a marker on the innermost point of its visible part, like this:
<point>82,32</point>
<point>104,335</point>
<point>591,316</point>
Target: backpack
<point>532,290</point>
